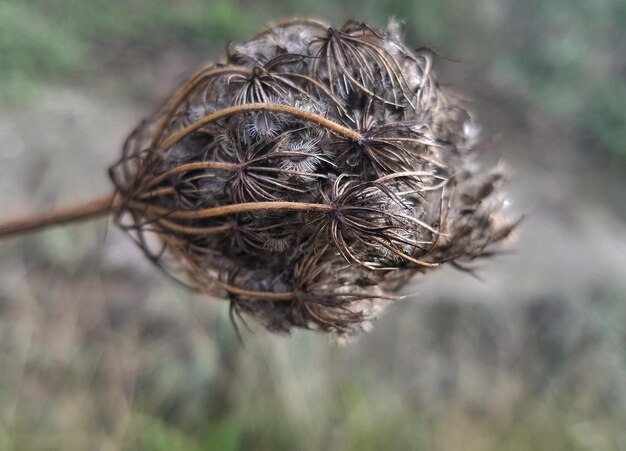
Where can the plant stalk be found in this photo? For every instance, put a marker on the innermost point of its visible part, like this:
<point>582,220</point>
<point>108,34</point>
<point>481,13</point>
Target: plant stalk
<point>92,209</point>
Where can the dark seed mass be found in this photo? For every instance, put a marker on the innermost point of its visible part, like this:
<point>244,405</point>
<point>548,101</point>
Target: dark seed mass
<point>308,176</point>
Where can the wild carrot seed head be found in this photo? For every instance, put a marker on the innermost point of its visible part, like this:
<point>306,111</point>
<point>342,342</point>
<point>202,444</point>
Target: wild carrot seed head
<point>308,175</point>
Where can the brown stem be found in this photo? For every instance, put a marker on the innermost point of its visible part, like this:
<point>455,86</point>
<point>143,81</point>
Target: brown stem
<point>172,107</point>
<point>260,295</point>
<point>210,279</point>
<point>192,230</point>
<point>108,204</point>
<point>245,207</point>
<point>154,193</point>
<point>192,167</point>
<point>274,108</point>
<point>319,86</point>
<point>75,213</point>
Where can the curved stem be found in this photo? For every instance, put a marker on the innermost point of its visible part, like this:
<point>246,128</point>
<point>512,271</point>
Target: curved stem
<point>231,289</point>
<point>253,107</point>
<point>106,205</point>
<point>245,207</point>
<point>232,167</point>
<point>192,230</point>
<point>259,295</point>
<point>75,213</point>
<point>173,105</point>
<point>319,86</point>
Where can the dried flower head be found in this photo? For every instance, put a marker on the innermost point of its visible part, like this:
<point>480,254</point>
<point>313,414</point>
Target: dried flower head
<point>308,176</point>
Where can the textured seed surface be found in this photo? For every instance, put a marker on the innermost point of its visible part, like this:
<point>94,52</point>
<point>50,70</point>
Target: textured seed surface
<point>309,176</point>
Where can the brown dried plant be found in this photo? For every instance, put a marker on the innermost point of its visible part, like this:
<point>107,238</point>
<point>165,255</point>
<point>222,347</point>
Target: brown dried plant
<point>305,178</point>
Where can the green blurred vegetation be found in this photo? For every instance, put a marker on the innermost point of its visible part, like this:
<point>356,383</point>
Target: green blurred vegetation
<point>43,42</point>
<point>564,58</point>
<point>166,375</point>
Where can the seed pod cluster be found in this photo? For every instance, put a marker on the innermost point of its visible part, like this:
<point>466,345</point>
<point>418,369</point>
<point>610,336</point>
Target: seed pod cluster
<point>308,176</point>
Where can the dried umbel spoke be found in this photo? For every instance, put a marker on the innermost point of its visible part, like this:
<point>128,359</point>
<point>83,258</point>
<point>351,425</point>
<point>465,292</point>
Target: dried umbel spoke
<point>356,60</point>
<point>305,178</point>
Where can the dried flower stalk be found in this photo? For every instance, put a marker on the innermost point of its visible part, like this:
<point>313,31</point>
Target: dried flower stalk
<point>305,178</point>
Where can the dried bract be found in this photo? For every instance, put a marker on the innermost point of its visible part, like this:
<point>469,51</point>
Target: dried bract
<point>308,176</point>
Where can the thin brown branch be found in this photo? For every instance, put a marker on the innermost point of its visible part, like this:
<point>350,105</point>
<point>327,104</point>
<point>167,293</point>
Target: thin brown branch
<point>259,295</point>
<point>224,210</point>
<point>92,209</point>
<point>184,92</point>
<point>193,167</point>
<point>339,129</point>
<point>192,230</point>
<point>231,289</point>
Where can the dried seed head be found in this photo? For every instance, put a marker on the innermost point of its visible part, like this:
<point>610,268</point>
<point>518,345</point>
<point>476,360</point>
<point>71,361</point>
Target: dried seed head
<point>309,175</point>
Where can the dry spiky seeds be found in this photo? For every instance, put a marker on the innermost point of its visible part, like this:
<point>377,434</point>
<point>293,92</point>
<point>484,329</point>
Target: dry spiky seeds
<point>308,176</point>
<point>305,173</point>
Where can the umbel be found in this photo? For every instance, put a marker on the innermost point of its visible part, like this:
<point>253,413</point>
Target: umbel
<point>305,178</point>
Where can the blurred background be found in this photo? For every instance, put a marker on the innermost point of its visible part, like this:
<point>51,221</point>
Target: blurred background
<point>99,352</point>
